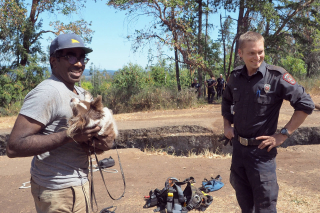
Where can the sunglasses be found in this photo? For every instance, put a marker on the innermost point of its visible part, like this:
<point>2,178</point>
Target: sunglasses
<point>73,60</point>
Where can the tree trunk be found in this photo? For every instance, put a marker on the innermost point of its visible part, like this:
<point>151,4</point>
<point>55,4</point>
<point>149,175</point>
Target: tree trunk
<point>200,47</point>
<point>206,38</point>
<point>177,68</point>
<point>205,43</point>
<point>230,58</point>
<point>27,35</point>
<point>308,70</point>
<point>176,59</point>
<point>241,28</point>
<point>224,46</point>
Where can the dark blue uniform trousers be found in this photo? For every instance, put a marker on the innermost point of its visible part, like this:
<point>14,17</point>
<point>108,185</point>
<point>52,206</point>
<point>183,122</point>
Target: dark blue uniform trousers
<point>253,176</point>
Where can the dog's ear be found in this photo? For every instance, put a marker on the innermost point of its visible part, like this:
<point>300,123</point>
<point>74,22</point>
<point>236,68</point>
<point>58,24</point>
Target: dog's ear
<point>97,103</point>
<point>87,96</point>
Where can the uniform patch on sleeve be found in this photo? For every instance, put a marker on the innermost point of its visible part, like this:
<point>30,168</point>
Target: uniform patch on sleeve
<point>288,78</point>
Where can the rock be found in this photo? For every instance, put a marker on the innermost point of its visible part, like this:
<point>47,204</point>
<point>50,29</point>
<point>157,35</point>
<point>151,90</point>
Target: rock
<point>3,143</point>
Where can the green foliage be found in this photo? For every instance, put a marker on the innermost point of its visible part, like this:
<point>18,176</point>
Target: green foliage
<point>185,78</point>
<point>295,66</point>
<point>99,82</point>
<point>16,83</point>
<point>11,109</point>
<point>158,75</point>
<point>87,85</point>
<point>130,78</point>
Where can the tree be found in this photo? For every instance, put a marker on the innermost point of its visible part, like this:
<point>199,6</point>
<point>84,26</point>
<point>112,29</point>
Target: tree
<point>200,74</point>
<point>226,36</point>
<point>21,57</point>
<point>305,32</point>
<point>20,32</point>
<point>275,20</point>
<point>172,27</point>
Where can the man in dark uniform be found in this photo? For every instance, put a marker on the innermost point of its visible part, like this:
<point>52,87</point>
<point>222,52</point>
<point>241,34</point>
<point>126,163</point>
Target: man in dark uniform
<point>257,91</point>
<point>220,86</point>
<point>195,84</point>
<point>210,84</point>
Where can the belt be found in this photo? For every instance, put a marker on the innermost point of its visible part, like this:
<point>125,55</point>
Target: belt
<point>249,141</point>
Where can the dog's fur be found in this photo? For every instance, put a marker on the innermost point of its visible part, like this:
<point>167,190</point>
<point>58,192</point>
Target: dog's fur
<point>88,113</point>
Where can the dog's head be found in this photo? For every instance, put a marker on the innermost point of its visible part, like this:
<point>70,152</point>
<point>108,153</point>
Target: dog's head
<point>86,114</point>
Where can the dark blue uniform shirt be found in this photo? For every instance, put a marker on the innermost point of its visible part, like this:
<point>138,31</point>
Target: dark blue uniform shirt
<point>220,82</point>
<point>258,98</point>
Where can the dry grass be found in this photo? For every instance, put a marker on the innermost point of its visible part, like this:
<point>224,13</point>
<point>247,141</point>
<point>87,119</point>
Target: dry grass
<point>297,199</point>
<point>204,154</point>
<point>312,85</point>
<point>154,151</point>
<point>291,200</point>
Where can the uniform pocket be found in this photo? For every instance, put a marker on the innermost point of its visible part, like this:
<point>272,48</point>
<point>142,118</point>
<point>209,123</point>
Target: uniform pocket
<point>268,177</point>
<point>266,164</point>
<point>236,96</point>
<point>262,104</point>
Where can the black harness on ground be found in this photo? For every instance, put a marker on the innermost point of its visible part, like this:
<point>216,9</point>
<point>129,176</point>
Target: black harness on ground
<point>172,199</point>
<point>92,193</point>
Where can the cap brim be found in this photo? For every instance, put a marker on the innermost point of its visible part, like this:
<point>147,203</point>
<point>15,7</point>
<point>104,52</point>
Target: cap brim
<point>86,50</point>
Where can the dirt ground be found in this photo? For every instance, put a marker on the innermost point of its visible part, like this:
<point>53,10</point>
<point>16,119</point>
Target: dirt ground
<point>298,168</point>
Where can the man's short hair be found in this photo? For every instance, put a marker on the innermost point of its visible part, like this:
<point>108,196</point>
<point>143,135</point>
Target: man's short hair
<point>249,36</point>
<point>57,54</point>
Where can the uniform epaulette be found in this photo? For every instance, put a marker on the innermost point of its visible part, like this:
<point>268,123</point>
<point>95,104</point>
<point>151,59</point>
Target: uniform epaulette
<point>277,68</point>
<point>238,68</point>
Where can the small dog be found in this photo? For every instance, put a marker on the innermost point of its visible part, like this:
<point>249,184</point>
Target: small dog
<point>89,113</point>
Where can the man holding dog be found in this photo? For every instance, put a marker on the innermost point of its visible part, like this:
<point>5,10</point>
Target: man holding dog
<point>257,91</point>
<point>59,169</point>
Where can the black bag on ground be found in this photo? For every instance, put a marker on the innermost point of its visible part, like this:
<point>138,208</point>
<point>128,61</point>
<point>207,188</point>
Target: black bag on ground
<point>106,163</point>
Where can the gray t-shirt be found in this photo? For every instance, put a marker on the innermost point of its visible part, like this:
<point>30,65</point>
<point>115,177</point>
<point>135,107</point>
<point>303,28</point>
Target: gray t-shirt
<point>65,166</point>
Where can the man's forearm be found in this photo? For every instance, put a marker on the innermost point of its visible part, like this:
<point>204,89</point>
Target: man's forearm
<point>226,123</point>
<point>296,120</point>
<point>36,144</point>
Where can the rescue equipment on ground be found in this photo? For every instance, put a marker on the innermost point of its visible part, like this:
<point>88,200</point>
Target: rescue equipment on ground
<point>172,199</point>
<point>211,185</point>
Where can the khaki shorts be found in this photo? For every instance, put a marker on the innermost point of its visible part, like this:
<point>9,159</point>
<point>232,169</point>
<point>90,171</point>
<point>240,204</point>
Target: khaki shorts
<point>72,199</point>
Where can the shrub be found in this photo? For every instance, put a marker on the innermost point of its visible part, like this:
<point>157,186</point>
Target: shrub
<point>11,109</point>
<point>295,66</point>
<point>150,98</point>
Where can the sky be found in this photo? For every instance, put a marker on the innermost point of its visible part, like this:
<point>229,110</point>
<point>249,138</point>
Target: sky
<point>111,48</point>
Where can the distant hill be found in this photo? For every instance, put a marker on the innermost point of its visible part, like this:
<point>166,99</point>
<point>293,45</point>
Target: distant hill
<point>86,72</point>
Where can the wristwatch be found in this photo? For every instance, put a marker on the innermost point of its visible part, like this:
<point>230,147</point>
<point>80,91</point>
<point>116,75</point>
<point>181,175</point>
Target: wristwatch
<point>284,131</point>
